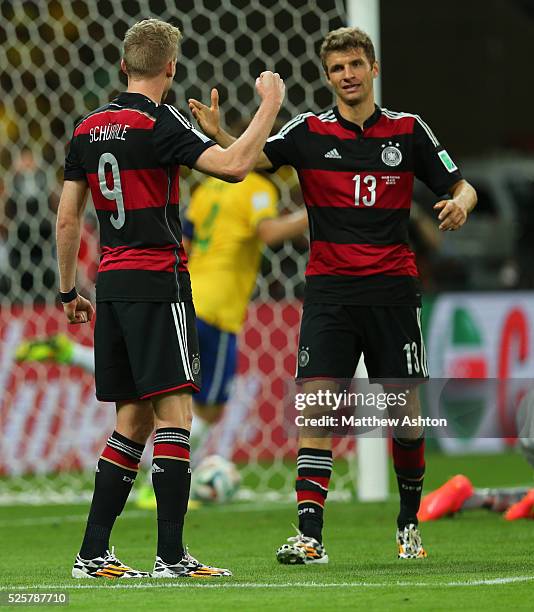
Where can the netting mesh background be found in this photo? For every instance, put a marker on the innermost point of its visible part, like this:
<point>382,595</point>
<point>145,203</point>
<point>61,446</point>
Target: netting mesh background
<point>60,60</point>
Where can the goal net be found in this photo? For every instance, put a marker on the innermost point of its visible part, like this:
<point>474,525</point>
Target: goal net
<point>61,60</point>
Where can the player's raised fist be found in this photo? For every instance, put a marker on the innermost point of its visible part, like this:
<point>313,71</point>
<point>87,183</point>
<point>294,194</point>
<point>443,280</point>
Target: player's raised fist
<point>208,118</point>
<point>270,86</point>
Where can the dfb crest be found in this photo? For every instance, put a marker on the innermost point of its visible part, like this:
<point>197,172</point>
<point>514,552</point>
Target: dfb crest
<point>391,154</point>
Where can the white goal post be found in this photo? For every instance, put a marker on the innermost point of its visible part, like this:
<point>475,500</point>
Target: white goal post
<point>372,452</point>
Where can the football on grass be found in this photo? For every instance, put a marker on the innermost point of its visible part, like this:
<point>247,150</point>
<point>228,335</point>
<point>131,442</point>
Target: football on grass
<point>215,480</point>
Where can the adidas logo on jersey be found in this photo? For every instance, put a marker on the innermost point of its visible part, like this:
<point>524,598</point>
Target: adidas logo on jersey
<point>333,154</point>
<point>156,469</point>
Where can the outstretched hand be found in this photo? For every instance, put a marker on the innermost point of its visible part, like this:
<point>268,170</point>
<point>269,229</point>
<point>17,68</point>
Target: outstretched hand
<point>208,118</point>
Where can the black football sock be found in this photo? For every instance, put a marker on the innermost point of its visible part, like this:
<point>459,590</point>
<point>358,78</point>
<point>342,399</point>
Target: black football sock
<point>171,478</point>
<point>314,468</point>
<point>115,474</point>
<point>409,463</point>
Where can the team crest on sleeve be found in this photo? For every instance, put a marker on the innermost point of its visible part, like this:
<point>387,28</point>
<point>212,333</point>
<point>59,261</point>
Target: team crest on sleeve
<point>391,154</point>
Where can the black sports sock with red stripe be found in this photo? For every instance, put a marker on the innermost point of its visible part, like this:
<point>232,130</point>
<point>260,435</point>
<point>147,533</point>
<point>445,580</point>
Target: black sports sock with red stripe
<point>409,463</point>
<point>115,474</point>
<point>314,468</point>
<point>171,478</point>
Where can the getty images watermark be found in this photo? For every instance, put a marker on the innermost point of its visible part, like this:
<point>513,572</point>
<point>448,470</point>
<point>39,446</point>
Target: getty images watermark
<point>325,408</point>
<point>457,408</point>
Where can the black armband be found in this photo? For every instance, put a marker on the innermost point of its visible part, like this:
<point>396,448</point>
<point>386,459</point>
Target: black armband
<point>68,296</point>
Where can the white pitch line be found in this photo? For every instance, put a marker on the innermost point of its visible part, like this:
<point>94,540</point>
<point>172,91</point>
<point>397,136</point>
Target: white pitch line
<point>283,585</point>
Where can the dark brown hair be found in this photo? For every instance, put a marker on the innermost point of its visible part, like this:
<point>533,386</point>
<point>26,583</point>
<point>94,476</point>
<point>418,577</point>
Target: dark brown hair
<point>344,39</point>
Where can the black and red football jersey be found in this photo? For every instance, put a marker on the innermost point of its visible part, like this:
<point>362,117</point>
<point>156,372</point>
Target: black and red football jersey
<point>129,152</point>
<point>357,185</point>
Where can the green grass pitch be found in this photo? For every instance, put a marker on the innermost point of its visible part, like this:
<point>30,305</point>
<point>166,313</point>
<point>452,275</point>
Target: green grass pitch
<point>476,560</point>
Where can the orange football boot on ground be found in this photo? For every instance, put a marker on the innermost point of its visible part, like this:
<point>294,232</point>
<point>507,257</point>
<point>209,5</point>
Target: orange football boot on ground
<point>524,508</point>
<point>446,500</point>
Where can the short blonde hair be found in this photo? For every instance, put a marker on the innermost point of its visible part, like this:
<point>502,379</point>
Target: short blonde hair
<point>345,39</point>
<point>148,46</point>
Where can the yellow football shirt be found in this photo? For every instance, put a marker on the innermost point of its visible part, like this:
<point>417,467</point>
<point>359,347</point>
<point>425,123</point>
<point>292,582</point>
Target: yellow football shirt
<point>226,251</point>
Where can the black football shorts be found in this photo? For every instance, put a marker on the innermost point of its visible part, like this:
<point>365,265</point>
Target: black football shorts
<point>143,349</point>
<point>333,337</point>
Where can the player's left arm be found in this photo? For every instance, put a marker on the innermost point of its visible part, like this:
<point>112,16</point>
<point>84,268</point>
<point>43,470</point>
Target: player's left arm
<point>273,231</point>
<point>434,166</point>
<point>262,212</point>
<point>68,232</point>
<point>453,213</point>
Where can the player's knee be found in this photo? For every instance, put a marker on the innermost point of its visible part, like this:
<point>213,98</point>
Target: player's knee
<point>178,422</point>
<point>173,410</point>
<point>135,420</point>
<point>145,428</point>
<point>137,429</point>
<point>181,416</point>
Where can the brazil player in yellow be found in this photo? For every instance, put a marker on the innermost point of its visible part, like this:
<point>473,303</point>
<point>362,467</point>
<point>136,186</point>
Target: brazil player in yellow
<point>227,226</point>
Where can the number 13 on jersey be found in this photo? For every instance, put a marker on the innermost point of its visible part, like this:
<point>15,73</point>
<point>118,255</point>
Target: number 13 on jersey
<point>369,181</point>
<point>115,193</point>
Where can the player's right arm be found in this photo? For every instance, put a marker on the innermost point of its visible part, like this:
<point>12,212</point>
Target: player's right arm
<point>208,118</point>
<point>68,231</point>
<point>234,163</point>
